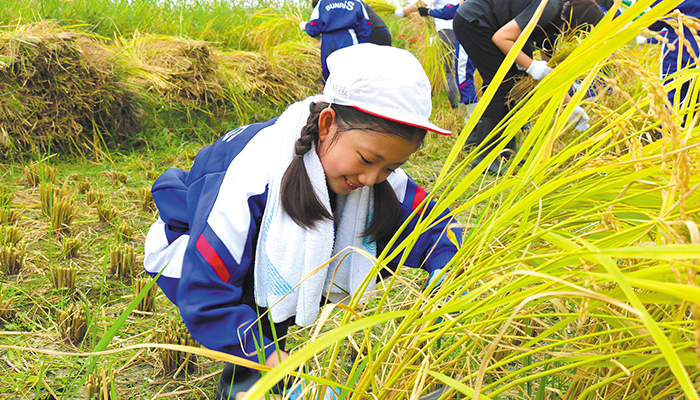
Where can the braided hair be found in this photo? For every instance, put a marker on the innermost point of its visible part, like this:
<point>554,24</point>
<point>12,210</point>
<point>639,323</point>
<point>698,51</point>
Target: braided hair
<point>298,197</point>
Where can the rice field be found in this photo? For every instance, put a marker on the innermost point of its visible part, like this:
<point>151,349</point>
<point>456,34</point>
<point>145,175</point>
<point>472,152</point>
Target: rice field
<point>578,274</point>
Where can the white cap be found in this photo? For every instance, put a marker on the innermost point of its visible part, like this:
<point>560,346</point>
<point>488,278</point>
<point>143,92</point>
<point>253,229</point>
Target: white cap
<point>384,81</point>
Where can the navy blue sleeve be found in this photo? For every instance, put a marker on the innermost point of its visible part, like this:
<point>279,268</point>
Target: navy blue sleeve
<point>210,290</point>
<point>447,12</point>
<point>433,249</point>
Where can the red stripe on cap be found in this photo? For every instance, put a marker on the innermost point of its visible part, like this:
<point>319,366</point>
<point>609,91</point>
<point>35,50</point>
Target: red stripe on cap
<point>212,258</point>
<point>420,196</point>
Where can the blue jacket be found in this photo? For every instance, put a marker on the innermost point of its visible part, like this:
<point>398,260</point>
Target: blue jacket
<point>669,54</point>
<point>341,23</point>
<point>209,276</point>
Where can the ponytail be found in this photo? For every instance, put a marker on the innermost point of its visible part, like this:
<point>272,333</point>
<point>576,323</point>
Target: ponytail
<point>299,199</point>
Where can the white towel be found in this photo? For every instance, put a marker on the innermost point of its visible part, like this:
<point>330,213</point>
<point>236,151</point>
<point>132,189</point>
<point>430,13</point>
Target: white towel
<point>287,253</point>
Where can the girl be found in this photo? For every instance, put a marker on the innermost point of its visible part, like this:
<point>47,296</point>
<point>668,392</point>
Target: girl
<point>488,29</point>
<point>262,208</point>
<point>341,23</point>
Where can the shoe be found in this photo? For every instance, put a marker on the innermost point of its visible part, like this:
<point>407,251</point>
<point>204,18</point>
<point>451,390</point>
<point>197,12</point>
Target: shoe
<point>495,168</point>
<point>244,380</point>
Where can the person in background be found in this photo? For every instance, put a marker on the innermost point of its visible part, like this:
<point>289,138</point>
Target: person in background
<point>488,29</point>
<point>676,55</point>
<point>447,36</point>
<point>341,23</point>
<point>463,67</point>
<point>241,236</point>
<point>380,33</point>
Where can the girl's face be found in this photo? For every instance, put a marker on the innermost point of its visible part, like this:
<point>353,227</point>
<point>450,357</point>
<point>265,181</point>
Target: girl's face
<point>358,158</point>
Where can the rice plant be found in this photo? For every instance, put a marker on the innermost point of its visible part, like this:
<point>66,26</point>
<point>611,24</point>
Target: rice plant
<point>578,271</point>
<point>99,385</point>
<point>105,211</point>
<point>10,235</point>
<point>63,278</point>
<point>174,332</point>
<point>72,322</point>
<point>122,261</point>
<point>148,303</point>
<point>12,258</point>
<point>71,246</point>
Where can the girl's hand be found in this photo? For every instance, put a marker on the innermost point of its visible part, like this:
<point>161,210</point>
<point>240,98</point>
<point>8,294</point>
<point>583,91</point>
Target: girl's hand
<point>276,358</point>
<point>302,25</point>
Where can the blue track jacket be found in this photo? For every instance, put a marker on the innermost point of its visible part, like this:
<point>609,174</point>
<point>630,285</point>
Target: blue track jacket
<point>464,67</point>
<point>341,23</point>
<point>209,276</point>
<point>670,54</point>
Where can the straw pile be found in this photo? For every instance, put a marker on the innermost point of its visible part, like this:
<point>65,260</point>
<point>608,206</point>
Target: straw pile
<point>179,71</point>
<point>67,91</point>
<point>61,91</point>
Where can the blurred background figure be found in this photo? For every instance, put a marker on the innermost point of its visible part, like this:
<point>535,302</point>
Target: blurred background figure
<point>341,23</point>
<point>488,29</point>
<point>446,34</point>
<point>679,51</point>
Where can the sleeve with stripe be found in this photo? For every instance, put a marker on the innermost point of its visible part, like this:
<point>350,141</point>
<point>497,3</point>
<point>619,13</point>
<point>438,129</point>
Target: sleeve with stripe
<point>433,249</point>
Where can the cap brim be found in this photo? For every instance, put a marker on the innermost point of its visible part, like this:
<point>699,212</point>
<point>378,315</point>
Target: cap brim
<point>419,123</point>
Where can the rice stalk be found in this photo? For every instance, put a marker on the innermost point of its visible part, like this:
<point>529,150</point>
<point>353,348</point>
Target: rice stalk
<point>179,70</point>
<point>10,235</point>
<point>9,216</point>
<point>62,215</point>
<point>71,247</point>
<point>6,196</point>
<point>124,231</point>
<point>105,211</point>
<point>146,199</point>
<point>37,173</point>
<point>98,385</point>
<point>148,303</point>
<point>174,332</point>
<point>83,186</point>
<point>94,196</point>
<point>6,310</point>
<point>61,84</point>
<point>63,278</point>
<point>566,275</point>
<point>48,194</point>
<point>117,177</point>
<point>122,261</point>
<point>12,258</point>
<point>72,323</point>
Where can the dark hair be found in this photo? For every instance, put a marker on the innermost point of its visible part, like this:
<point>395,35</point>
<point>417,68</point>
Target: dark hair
<point>298,197</point>
<point>581,13</point>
